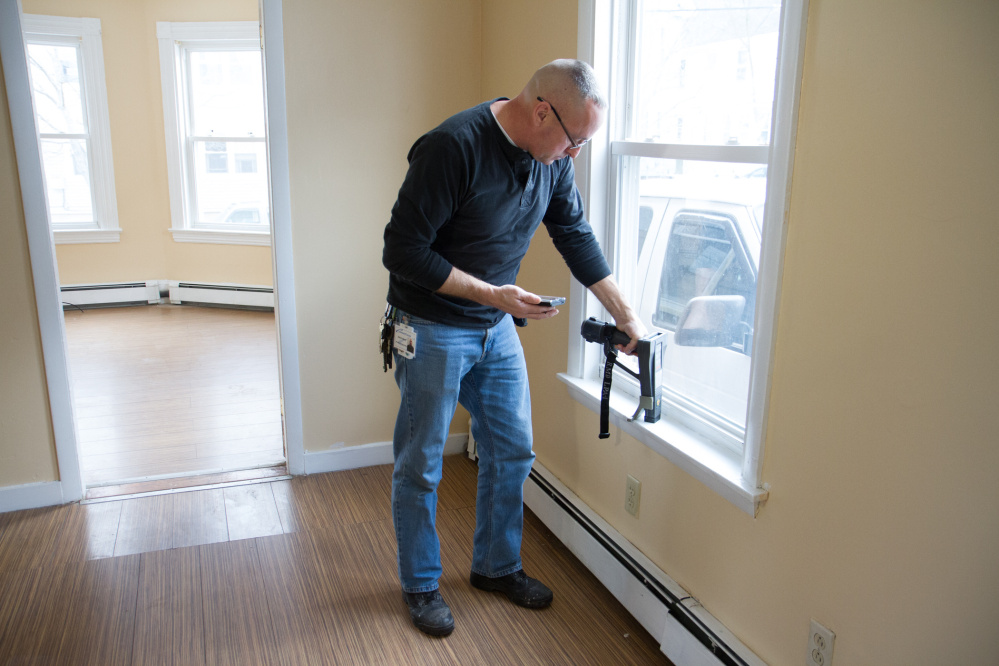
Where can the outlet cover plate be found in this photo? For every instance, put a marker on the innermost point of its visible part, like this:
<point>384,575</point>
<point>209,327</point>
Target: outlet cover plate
<point>820,645</point>
<point>632,495</point>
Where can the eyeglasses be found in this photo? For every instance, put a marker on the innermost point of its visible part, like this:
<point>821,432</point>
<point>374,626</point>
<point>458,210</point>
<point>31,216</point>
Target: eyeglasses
<point>572,142</point>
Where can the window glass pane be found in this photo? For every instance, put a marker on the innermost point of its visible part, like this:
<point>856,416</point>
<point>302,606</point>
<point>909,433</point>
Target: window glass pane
<point>227,193</point>
<point>55,88</point>
<point>698,228</point>
<point>67,181</point>
<point>705,72</point>
<point>227,93</point>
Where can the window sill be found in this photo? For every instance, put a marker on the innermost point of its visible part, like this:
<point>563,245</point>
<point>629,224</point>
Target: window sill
<point>717,468</point>
<point>78,236</point>
<point>221,237</point>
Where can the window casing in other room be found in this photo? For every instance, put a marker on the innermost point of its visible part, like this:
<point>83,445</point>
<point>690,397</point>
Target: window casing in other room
<point>213,103</point>
<point>69,95</point>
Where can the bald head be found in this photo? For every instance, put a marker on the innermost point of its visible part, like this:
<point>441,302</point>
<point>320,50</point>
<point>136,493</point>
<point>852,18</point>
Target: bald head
<point>571,82</point>
<point>531,121</point>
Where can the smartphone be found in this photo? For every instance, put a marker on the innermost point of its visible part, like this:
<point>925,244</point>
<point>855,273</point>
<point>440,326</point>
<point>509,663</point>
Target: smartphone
<point>551,301</point>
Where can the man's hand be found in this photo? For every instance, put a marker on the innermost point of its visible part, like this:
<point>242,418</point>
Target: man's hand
<point>521,303</point>
<point>635,330</point>
<point>509,298</point>
<point>610,296</point>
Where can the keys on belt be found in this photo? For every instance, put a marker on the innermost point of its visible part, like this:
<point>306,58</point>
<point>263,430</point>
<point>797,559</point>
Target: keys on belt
<point>386,334</point>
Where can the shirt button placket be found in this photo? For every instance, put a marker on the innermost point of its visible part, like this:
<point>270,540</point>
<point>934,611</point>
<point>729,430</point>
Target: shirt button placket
<point>528,195</point>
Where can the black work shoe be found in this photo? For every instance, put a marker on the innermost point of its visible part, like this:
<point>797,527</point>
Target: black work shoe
<point>429,612</point>
<point>518,587</point>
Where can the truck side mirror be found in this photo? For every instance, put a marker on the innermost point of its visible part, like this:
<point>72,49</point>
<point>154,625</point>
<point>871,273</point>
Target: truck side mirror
<point>711,321</point>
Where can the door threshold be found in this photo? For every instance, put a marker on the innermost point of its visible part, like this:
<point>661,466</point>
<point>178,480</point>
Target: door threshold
<point>180,484</point>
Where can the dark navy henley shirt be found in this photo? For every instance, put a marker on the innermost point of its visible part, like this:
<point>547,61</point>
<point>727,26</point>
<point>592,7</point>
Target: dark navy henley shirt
<point>473,200</point>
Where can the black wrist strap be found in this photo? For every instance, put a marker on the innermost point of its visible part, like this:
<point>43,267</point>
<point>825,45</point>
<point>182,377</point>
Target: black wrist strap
<point>605,392</point>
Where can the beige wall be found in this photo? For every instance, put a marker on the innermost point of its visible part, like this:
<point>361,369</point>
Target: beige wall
<point>147,251</point>
<point>882,518</point>
<point>518,37</point>
<point>27,445</point>
<point>364,80</point>
<point>882,521</point>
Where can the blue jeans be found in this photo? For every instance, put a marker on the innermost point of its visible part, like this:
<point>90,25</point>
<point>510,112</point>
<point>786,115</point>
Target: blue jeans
<point>484,370</point>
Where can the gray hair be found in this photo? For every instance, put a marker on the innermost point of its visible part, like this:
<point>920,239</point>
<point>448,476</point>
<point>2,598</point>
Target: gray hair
<point>585,80</point>
<point>567,73</point>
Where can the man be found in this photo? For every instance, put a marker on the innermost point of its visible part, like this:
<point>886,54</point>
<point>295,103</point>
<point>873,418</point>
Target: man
<point>477,188</point>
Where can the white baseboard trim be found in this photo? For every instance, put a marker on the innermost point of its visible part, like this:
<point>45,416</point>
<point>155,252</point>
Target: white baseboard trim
<point>30,496</point>
<point>684,628</point>
<point>367,455</point>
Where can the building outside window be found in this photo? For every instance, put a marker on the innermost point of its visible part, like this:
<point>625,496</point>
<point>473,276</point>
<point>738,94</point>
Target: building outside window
<point>246,163</point>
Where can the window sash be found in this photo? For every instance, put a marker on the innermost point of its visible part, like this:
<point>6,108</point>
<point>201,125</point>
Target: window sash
<point>680,151</point>
<point>63,217</point>
<point>196,193</point>
<point>60,216</point>
<point>713,419</point>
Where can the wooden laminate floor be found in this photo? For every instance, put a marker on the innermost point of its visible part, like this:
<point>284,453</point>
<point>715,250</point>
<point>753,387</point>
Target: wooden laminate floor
<point>169,390</point>
<point>283,572</point>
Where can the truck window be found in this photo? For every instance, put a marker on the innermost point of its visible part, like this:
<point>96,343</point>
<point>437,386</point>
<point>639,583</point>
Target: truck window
<point>704,257</point>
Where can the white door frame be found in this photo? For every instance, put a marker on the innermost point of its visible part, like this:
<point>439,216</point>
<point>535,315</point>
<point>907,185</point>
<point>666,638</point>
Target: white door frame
<point>41,247</point>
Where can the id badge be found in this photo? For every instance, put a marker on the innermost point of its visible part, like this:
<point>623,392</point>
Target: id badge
<point>405,340</point>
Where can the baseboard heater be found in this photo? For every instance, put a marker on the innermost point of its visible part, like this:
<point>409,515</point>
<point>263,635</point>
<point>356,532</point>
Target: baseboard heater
<point>117,294</point>
<point>222,295</point>
<point>153,292</point>
<point>688,634</point>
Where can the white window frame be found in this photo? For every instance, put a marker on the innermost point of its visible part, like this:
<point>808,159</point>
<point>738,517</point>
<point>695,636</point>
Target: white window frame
<point>734,474</point>
<point>85,33</point>
<point>172,37</point>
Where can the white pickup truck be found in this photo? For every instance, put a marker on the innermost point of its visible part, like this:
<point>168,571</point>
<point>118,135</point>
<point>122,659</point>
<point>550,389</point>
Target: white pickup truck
<point>698,257</point>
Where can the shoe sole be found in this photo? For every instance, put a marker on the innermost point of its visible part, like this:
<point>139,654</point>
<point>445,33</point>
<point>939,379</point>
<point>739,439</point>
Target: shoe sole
<point>439,632</point>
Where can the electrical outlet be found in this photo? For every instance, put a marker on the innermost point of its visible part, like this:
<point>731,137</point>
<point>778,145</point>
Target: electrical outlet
<point>632,495</point>
<point>820,646</point>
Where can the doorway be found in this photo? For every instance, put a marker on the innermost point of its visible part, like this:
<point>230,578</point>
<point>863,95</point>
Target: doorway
<point>68,438</point>
<point>171,396</point>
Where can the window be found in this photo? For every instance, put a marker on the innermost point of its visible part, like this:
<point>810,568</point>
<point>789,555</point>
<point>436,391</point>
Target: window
<point>688,191</point>
<point>216,158</point>
<point>216,162</point>
<point>66,69</point>
<point>213,102</point>
<point>246,163</point>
